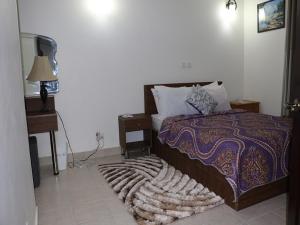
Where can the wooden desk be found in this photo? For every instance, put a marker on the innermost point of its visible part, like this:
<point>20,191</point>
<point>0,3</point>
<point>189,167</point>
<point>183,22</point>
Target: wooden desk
<point>42,122</point>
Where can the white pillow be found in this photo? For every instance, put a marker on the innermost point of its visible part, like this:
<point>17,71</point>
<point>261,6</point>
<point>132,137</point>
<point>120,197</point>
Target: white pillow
<point>156,99</point>
<point>218,92</point>
<point>172,101</point>
<point>212,85</point>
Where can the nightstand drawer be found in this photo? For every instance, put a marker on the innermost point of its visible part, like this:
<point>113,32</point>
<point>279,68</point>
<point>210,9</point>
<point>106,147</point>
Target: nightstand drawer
<point>251,106</point>
<point>138,124</point>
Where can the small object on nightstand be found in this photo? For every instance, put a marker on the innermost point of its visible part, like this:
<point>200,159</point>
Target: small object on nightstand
<point>127,115</point>
<point>251,106</point>
<point>137,122</point>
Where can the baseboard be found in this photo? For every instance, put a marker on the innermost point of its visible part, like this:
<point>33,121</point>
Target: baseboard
<point>45,161</point>
<point>36,221</point>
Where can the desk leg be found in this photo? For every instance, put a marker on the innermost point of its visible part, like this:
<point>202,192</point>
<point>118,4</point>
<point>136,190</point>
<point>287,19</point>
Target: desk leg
<point>54,153</point>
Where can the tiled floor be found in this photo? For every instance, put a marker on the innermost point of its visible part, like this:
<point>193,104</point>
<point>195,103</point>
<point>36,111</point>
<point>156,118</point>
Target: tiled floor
<point>81,196</point>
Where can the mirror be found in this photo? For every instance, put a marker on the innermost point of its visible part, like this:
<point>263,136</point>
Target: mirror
<point>38,45</point>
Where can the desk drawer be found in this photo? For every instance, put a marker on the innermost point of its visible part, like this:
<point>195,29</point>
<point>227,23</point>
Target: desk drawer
<point>35,104</point>
<point>41,123</point>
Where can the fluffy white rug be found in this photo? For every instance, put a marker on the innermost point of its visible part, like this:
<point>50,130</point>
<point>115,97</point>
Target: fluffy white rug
<point>155,192</point>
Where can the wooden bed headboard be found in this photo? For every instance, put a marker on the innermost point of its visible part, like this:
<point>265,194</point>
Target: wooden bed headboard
<point>149,103</point>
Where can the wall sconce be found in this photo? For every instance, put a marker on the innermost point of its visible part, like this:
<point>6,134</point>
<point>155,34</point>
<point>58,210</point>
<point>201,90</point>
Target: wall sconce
<point>231,4</point>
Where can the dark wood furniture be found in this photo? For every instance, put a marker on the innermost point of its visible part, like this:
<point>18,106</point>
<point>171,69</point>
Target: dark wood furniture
<point>294,168</point>
<point>293,94</point>
<point>139,122</point>
<point>251,106</point>
<point>42,122</point>
<point>207,175</point>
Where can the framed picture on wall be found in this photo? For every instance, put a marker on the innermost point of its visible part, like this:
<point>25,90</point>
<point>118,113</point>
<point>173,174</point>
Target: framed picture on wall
<point>270,15</point>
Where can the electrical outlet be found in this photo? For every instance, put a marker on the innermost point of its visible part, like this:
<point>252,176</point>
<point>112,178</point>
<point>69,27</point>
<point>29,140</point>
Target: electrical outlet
<point>186,65</point>
<point>99,136</point>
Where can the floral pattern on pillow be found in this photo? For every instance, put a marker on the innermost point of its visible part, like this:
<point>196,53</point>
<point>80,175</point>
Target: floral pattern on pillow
<point>202,101</point>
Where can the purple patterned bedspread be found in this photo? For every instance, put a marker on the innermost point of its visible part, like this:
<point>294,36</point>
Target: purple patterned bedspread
<point>250,149</point>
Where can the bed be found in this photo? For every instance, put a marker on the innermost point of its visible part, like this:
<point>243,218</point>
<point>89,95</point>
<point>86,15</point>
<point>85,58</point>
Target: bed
<point>209,175</point>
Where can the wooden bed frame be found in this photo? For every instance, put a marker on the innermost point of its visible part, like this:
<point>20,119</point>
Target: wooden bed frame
<point>207,175</point>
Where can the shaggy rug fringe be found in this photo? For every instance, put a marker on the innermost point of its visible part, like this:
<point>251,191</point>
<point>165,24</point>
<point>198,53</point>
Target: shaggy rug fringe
<point>155,193</point>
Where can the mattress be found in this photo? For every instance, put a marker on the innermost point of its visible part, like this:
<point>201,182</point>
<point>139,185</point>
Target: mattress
<point>156,122</point>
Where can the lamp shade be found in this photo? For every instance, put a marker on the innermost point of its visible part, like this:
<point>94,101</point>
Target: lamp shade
<point>41,70</point>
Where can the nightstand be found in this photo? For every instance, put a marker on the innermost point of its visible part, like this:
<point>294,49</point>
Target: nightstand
<point>251,106</point>
<point>138,122</point>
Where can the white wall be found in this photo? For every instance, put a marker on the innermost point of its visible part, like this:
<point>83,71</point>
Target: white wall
<point>28,45</point>
<point>263,62</point>
<point>17,203</point>
<point>105,61</point>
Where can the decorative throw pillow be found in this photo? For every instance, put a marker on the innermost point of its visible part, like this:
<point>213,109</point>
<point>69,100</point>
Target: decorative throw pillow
<point>219,94</point>
<point>202,101</point>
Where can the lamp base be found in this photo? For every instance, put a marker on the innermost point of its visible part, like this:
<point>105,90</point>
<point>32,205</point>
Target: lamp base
<point>44,97</point>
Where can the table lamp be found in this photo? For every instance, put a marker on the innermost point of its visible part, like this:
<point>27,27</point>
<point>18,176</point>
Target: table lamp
<point>41,71</point>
